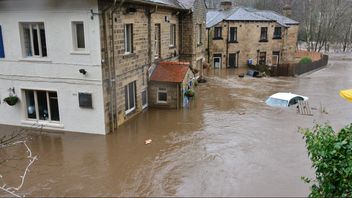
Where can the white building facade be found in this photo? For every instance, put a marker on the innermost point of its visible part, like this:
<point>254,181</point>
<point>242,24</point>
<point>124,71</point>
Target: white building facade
<point>50,58</point>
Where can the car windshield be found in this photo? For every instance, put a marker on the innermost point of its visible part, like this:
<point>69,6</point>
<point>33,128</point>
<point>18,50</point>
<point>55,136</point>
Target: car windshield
<point>276,102</point>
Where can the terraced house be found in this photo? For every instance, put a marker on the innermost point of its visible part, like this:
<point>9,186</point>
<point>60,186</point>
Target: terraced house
<point>84,66</point>
<point>238,36</point>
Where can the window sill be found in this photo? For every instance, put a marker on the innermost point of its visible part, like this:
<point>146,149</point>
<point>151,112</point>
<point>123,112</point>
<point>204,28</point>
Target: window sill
<point>80,53</point>
<point>232,41</point>
<point>217,38</point>
<point>128,55</point>
<point>263,41</point>
<point>161,102</point>
<point>42,123</point>
<point>35,59</point>
<point>277,38</point>
<point>130,111</point>
<point>172,47</point>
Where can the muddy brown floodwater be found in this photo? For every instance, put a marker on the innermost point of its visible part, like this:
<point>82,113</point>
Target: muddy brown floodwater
<point>228,143</point>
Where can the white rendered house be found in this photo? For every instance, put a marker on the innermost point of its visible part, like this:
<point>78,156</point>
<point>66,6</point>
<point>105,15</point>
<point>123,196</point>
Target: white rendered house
<point>50,57</point>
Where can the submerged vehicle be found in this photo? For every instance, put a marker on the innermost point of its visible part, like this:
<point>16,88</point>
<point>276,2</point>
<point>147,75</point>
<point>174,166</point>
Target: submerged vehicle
<point>282,99</point>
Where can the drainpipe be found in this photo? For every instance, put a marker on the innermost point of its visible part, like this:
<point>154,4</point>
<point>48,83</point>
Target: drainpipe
<point>208,45</point>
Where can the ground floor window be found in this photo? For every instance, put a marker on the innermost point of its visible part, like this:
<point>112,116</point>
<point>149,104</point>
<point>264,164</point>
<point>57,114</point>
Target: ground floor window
<point>262,58</point>
<point>42,105</point>
<point>162,95</point>
<point>276,58</point>
<point>217,61</point>
<point>144,99</point>
<point>130,97</point>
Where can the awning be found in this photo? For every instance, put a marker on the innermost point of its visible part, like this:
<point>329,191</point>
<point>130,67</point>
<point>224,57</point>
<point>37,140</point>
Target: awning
<point>346,94</point>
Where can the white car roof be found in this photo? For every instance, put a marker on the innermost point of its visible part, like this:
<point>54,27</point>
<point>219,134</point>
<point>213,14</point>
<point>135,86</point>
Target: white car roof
<point>286,96</point>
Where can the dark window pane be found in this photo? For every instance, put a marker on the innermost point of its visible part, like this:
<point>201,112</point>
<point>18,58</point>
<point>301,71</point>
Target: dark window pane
<point>126,98</point>
<point>131,95</point>
<point>43,42</point>
<point>80,35</point>
<point>144,97</point>
<point>162,96</point>
<point>35,41</point>
<point>2,51</point>
<point>42,105</point>
<point>31,112</point>
<point>27,41</point>
<point>54,106</point>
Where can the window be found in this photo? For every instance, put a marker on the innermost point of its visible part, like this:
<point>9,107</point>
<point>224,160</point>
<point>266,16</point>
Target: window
<point>130,97</point>
<point>128,38</point>
<point>162,95</point>
<point>199,34</point>
<point>264,34</point>
<point>275,58</point>
<point>277,33</point>
<point>217,33</point>
<point>262,58</point>
<point>85,100</point>
<point>173,35</point>
<point>34,43</point>
<point>157,41</point>
<point>233,34</point>
<point>2,50</point>
<point>42,105</point>
<point>78,35</point>
<point>144,99</point>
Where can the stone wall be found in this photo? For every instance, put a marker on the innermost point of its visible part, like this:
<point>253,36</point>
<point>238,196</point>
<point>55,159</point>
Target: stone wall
<point>173,93</point>
<point>248,45</point>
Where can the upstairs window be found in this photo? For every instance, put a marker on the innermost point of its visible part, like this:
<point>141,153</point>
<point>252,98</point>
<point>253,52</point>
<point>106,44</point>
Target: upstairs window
<point>128,38</point>
<point>264,34</point>
<point>157,41</point>
<point>172,35</point>
<point>78,35</point>
<point>233,34</point>
<point>199,34</point>
<point>34,43</point>
<point>217,33</point>
<point>2,50</point>
<point>277,33</point>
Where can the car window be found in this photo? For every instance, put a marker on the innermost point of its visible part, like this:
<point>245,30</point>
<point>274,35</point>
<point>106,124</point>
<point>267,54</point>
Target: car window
<point>295,100</point>
<point>276,102</point>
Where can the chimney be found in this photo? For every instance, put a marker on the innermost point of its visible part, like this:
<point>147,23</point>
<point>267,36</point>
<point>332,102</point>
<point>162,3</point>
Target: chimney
<point>287,11</point>
<point>226,5</point>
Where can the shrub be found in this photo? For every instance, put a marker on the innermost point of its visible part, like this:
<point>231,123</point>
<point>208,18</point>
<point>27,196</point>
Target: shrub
<point>331,155</point>
<point>305,60</point>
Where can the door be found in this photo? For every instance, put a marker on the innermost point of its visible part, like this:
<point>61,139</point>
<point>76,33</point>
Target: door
<point>217,62</point>
<point>232,61</point>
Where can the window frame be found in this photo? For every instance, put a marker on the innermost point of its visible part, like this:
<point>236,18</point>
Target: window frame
<point>146,99</point>
<point>277,36</point>
<point>216,36</point>
<point>161,90</point>
<point>127,97</point>
<point>41,46</point>
<point>157,41</point>
<point>75,36</point>
<point>199,34</point>
<point>260,58</point>
<point>234,40</point>
<point>128,38</point>
<point>36,105</point>
<point>263,34</point>
<point>173,35</point>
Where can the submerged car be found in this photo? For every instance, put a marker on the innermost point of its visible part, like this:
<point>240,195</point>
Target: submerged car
<point>284,99</point>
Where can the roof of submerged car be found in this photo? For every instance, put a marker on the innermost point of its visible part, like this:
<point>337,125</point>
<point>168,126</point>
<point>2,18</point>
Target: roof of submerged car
<point>285,96</point>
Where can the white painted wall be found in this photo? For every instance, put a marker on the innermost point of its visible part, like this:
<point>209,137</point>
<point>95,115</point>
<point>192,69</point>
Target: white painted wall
<point>59,70</point>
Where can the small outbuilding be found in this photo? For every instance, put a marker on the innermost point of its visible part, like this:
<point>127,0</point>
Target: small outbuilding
<point>168,84</point>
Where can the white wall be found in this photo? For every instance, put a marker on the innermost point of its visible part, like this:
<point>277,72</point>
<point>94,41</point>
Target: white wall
<point>59,70</point>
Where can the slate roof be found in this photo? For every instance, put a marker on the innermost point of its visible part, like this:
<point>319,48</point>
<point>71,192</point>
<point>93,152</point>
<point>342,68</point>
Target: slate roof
<point>247,14</point>
<point>180,4</point>
<point>174,72</point>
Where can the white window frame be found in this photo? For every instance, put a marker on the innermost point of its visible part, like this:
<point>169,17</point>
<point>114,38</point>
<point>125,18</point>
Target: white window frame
<point>173,35</point>
<point>161,90</point>
<point>157,41</point>
<point>128,35</point>
<point>32,25</point>
<point>199,34</point>
<point>37,106</point>
<point>220,62</point>
<point>74,36</point>
<point>128,96</point>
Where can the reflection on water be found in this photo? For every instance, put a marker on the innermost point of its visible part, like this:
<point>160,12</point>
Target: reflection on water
<point>228,143</point>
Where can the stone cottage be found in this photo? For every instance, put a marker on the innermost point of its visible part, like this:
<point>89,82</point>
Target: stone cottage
<point>237,36</point>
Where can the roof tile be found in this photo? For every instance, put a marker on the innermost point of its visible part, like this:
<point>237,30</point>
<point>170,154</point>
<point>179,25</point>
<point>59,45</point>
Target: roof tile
<point>174,72</point>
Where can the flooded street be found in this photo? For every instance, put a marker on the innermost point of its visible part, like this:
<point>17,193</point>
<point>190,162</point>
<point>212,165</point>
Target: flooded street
<point>228,143</point>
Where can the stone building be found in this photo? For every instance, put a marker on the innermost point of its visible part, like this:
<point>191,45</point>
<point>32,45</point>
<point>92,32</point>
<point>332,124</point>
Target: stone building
<point>238,36</point>
<point>84,66</point>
